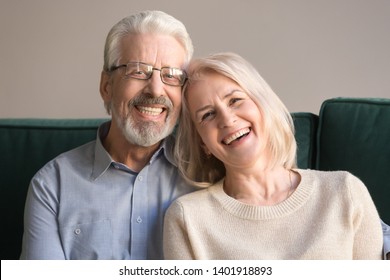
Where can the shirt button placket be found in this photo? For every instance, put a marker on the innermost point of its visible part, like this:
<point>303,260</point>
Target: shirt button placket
<point>139,179</point>
<point>139,228</point>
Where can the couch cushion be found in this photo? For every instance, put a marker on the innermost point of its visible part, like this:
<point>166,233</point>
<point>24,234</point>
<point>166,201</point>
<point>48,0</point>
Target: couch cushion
<point>25,146</point>
<point>305,134</point>
<point>354,135</point>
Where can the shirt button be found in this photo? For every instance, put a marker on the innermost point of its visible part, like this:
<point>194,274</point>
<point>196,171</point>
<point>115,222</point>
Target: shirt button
<point>140,178</point>
<point>77,231</point>
<point>139,220</point>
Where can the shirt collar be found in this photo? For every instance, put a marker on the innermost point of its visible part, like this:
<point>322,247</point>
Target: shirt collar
<point>169,146</point>
<point>103,160</point>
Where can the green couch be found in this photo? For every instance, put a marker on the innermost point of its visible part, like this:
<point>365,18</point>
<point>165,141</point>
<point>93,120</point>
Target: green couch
<point>347,134</point>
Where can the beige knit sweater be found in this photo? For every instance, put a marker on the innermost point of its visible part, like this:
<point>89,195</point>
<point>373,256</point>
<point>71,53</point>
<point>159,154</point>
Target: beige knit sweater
<point>329,216</point>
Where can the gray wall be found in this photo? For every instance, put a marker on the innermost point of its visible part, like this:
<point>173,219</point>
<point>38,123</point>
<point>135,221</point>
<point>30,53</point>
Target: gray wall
<point>308,50</point>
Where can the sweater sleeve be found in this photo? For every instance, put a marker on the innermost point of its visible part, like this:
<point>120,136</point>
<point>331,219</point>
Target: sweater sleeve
<point>176,242</point>
<point>368,240</point>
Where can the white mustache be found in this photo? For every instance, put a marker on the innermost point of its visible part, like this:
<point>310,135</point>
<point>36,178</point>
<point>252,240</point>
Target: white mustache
<point>143,100</point>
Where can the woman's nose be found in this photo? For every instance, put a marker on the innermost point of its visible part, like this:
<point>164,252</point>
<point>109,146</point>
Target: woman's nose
<point>227,118</point>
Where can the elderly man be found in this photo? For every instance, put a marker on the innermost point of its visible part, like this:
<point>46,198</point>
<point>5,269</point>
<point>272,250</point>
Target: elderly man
<point>107,199</point>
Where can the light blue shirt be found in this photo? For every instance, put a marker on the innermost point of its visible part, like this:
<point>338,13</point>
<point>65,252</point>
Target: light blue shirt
<point>386,240</point>
<point>83,205</point>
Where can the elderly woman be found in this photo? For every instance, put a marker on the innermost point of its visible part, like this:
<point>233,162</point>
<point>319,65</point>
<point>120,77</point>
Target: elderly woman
<point>236,139</point>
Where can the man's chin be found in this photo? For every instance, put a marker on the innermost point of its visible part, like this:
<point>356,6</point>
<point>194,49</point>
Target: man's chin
<point>146,138</point>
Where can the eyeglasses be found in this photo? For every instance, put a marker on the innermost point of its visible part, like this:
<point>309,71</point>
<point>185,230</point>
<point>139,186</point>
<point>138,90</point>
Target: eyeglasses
<point>142,71</point>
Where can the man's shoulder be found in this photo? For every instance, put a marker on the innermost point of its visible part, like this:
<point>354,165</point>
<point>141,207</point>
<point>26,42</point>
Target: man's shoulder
<point>78,153</point>
<point>78,156</point>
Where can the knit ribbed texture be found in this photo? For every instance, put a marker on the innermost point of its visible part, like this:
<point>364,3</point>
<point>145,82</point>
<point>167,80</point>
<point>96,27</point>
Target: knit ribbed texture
<point>329,216</point>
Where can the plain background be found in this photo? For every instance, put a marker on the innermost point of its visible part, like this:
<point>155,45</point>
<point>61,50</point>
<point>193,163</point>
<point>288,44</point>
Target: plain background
<point>51,51</point>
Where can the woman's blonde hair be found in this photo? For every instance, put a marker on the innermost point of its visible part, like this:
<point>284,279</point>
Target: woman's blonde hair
<point>201,170</point>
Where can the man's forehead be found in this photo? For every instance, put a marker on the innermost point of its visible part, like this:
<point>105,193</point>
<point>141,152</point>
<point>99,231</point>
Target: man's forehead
<point>155,49</point>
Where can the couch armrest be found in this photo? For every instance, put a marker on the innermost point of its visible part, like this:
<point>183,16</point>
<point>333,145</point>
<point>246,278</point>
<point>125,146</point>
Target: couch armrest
<point>25,146</point>
<point>354,135</point>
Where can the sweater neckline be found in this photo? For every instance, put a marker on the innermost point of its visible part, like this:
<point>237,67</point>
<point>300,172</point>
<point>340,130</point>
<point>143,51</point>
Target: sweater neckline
<point>252,212</point>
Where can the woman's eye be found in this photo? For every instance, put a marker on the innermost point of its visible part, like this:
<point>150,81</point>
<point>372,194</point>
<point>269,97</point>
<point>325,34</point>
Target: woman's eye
<point>207,116</point>
<point>234,100</point>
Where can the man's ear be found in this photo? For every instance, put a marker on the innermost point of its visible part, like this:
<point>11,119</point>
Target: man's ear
<point>106,86</point>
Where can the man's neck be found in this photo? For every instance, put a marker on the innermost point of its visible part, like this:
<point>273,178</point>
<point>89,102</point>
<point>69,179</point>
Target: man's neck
<point>133,156</point>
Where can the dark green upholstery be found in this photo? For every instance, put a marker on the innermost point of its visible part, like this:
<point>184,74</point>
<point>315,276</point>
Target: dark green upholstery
<point>354,135</point>
<point>25,146</point>
<point>305,135</point>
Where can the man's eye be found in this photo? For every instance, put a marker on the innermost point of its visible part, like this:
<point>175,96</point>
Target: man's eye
<point>170,77</point>
<point>137,73</point>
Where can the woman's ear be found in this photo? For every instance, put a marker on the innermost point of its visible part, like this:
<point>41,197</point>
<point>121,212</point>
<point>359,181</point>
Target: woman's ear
<point>106,86</point>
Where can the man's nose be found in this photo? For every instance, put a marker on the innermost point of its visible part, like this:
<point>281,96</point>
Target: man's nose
<point>155,85</point>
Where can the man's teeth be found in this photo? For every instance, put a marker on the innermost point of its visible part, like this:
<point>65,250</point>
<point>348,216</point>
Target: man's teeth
<point>150,110</point>
<point>236,135</point>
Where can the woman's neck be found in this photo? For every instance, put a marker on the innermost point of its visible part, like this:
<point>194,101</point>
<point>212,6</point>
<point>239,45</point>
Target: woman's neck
<point>263,187</point>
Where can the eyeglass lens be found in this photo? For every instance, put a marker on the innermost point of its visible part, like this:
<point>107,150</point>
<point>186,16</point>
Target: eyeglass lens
<point>169,75</point>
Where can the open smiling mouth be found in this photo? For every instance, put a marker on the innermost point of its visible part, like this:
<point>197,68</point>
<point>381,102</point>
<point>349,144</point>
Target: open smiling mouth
<point>236,136</point>
<point>152,111</point>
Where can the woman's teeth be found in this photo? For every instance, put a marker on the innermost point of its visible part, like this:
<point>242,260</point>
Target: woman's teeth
<point>236,136</point>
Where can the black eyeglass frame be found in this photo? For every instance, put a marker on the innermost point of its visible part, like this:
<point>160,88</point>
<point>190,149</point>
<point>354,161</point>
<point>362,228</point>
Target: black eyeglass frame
<point>150,73</point>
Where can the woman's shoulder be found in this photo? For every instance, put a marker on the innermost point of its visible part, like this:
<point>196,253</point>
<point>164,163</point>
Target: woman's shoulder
<point>197,194</point>
<point>334,181</point>
<point>192,203</point>
<point>328,176</point>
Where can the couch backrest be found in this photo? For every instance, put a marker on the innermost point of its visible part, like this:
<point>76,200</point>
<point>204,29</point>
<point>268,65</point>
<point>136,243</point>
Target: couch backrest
<point>25,146</point>
<point>349,134</point>
<point>354,135</point>
<point>305,135</point>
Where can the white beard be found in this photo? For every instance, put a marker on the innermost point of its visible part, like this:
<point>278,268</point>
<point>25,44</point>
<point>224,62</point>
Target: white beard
<point>144,133</point>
